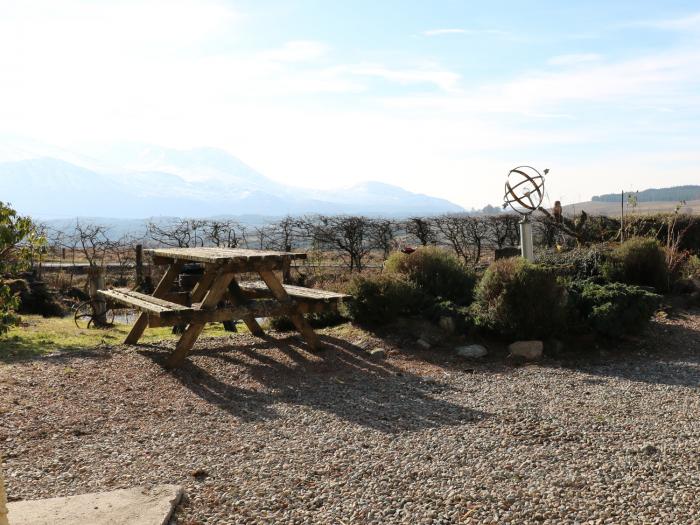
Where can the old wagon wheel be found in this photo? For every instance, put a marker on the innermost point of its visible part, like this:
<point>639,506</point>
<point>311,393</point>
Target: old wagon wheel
<point>85,317</point>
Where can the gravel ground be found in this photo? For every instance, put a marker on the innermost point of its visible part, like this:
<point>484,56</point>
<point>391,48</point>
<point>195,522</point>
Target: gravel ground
<point>266,432</point>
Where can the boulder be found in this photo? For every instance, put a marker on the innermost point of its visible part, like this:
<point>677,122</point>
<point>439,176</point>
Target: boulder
<point>378,353</point>
<point>425,345</point>
<point>471,351</point>
<point>447,324</point>
<point>529,350</point>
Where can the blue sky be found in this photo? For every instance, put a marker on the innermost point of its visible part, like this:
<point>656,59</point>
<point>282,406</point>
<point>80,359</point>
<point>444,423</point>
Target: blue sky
<point>441,97</point>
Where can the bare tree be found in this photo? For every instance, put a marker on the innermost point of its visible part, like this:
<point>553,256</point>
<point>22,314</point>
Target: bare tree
<point>349,234</point>
<point>503,230</point>
<point>182,233</point>
<point>465,234</point>
<point>225,233</point>
<point>284,233</point>
<point>262,237</point>
<point>423,229</point>
<point>123,252</point>
<point>92,241</point>
<point>382,235</point>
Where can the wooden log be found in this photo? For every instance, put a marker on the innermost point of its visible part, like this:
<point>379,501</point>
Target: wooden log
<point>164,286</point>
<point>297,318</point>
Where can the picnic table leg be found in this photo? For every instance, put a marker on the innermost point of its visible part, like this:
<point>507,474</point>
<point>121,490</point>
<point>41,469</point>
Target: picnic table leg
<point>164,286</point>
<point>192,332</point>
<point>297,318</point>
<point>237,298</point>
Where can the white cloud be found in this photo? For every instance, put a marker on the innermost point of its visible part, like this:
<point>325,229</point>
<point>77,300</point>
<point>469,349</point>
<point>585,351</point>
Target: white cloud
<point>296,51</point>
<point>438,32</point>
<point>688,22</point>
<point>460,31</point>
<point>573,59</point>
<point>443,79</point>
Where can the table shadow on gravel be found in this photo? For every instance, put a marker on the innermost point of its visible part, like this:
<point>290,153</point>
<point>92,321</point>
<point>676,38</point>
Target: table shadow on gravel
<point>340,380</point>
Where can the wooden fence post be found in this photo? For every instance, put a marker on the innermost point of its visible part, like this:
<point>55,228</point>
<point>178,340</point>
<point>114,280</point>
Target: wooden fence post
<point>96,281</point>
<point>139,265</point>
<point>3,498</point>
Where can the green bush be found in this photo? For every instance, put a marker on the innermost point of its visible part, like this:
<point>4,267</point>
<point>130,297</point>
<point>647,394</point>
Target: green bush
<point>461,315</point>
<point>640,261</point>
<point>610,309</point>
<point>436,272</point>
<point>578,263</point>
<point>380,299</point>
<point>520,299</point>
<point>691,267</point>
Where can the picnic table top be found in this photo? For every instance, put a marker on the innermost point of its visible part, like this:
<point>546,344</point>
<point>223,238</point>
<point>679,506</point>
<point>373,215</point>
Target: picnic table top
<point>223,255</point>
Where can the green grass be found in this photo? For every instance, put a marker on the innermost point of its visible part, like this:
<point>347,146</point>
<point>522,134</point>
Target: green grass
<point>37,336</point>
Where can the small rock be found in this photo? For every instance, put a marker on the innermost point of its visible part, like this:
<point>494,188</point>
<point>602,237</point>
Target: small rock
<point>379,353</point>
<point>649,449</point>
<point>425,345</point>
<point>447,324</point>
<point>527,349</point>
<point>471,351</point>
<point>556,346</point>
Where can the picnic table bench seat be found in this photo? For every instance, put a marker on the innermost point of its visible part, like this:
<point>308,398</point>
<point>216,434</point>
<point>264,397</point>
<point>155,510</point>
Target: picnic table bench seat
<point>260,289</point>
<point>146,303</point>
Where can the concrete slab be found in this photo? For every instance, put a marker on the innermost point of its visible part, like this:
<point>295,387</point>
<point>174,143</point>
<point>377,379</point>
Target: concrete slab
<point>135,506</point>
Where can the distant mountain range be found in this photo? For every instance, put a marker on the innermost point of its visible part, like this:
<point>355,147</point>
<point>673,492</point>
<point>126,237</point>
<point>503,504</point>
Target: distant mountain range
<point>672,194</point>
<point>145,182</point>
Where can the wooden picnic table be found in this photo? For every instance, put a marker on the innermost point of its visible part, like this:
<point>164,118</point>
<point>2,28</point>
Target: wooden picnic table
<point>219,296</point>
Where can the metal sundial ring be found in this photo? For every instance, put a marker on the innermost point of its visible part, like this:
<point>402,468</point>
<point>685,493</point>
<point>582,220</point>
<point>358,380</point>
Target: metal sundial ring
<point>524,190</point>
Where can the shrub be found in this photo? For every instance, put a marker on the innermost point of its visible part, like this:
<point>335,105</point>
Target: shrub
<point>691,267</point>
<point>520,299</point>
<point>436,272</point>
<point>640,261</point>
<point>461,315</point>
<point>610,309</point>
<point>380,299</point>
<point>578,263</point>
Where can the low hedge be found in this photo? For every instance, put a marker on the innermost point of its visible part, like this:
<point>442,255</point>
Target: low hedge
<point>520,299</point>
<point>610,309</point>
<point>640,261</point>
<point>436,272</point>
<point>380,299</point>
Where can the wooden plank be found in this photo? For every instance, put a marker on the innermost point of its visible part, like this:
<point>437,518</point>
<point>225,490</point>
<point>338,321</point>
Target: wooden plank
<point>260,308</point>
<point>141,300</point>
<point>297,318</point>
<point>260,288</point>
<point>192,332</point>
<point>222,255</point>
<point>164,286</point>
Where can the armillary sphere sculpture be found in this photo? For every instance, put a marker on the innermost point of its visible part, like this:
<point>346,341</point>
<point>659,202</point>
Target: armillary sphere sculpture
<point>524,190</point>
<point>524,194</point>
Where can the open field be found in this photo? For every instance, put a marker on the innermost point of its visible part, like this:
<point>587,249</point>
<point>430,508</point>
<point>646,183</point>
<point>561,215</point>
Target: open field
<point>263,431</point>
<point>612,209</point>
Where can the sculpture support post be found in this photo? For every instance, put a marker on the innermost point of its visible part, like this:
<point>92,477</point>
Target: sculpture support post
<point>527,249</point>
